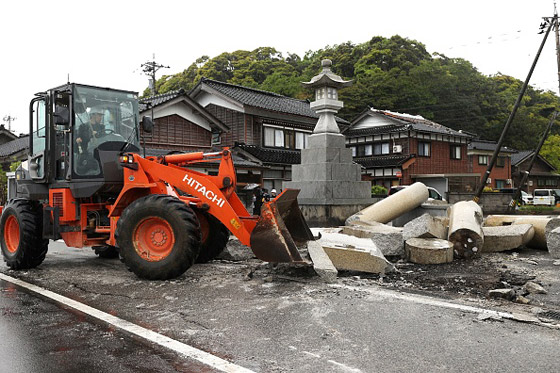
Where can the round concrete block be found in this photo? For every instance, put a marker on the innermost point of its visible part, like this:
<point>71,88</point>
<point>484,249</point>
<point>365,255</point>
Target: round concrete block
<point>428,251</point>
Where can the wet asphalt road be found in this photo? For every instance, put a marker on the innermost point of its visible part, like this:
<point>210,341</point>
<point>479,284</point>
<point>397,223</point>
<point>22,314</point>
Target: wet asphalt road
<point>260,317</point>
<point>39,336</point>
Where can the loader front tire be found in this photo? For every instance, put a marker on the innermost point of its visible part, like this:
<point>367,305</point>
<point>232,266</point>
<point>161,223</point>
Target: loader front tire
<point>23,246</point>
<point>158,237</point>
<point>215,237</point>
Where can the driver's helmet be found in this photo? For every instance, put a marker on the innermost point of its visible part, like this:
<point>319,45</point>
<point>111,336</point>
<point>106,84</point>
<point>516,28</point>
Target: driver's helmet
<point>96,110</point>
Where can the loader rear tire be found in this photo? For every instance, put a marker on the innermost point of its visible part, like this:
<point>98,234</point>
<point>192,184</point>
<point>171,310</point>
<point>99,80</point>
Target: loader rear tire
<point>215,237</point>
<point>158,237</point>
<point>23,246</point>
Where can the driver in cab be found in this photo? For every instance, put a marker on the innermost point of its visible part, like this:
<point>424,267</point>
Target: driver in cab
<point>91,130</point>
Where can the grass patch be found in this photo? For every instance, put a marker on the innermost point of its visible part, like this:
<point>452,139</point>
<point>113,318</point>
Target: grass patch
<point>528,209</point>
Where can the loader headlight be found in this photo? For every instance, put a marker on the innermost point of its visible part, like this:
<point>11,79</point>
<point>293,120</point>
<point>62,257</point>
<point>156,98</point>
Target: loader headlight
<point>127,160</point>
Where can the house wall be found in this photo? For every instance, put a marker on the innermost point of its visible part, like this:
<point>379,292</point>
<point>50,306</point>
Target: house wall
<point>236,121</point>
<point>497,173</point>
<point>439,161</point>
<point>541,176</point>
<point>175,132</point>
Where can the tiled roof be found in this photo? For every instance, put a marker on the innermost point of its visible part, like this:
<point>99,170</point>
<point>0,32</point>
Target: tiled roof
<point>520,156</point>
<point>405,122</point>
<point>382,161</point>
<point>488,145</point>
<point>159,99</point>
<point>265,100</point>
<point>391,128</point>
<point>14,146</point>
<point>272,155</point>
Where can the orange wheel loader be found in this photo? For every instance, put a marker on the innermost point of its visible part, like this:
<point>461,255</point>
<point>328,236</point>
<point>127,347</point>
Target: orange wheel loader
<point>85,182</point>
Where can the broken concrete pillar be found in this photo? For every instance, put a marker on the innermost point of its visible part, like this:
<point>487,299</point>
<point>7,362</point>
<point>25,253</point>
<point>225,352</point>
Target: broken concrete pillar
<point>541,225</point>
<point>553,243</point>
<point>465,229</point>
<point>425,226</point>
<point>352,253</point>
<point>391,207</point>
<point>428,251</point>
<point>389,240</point>
<point>506,237</point>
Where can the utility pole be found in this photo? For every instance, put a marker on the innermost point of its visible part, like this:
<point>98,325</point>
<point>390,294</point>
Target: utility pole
<point>150,68</point>
<point>548,23</point>
<point>8,118</point>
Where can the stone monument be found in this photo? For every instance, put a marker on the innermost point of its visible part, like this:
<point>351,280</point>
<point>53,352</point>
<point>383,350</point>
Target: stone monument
<point>330,183</point>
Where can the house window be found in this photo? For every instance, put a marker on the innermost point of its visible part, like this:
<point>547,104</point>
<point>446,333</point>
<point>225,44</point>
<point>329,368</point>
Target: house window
<point>369,149</point>
<point>289,139</point>
<point>455,151</point>
<point>540,182</point>
<point>301,140</point>
<point>273,137</point>
<point>216,138</point>
<point>500,184</point>
<point>551,182</point>
<point>482,159</point>
<point>501,162</point>
<point>424,149</point>
<point>353,151</point>
<point>381,148</point>
<point>268,136</point>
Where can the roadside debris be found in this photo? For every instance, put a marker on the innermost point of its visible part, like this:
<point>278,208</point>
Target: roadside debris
<point>391,207</point>
<point>534,288</point>
<point>506,237</point>
<point>507,294</point>
<point>353,253</point>
<point>389,240</point>
<point>429,251</point>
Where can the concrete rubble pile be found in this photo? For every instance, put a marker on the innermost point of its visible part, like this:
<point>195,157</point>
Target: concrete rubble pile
<point>367,238</point>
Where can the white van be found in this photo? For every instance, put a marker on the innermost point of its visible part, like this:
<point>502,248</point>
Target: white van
<point>544,197</point>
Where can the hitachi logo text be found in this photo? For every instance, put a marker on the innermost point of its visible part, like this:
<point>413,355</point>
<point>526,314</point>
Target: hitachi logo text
<point>210,195</point>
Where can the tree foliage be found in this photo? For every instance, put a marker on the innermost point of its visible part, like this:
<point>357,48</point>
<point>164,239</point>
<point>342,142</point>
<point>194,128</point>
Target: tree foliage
<point>395,74</point>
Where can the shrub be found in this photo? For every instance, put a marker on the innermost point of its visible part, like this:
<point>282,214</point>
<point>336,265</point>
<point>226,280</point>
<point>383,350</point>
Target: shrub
<point>378,190</point>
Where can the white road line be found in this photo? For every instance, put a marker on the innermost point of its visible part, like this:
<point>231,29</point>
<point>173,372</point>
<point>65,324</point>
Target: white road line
<point>181,348</point>
<point>426,300</point>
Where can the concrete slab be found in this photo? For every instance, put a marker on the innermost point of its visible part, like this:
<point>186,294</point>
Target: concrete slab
<point>389,240</point>
<point>322,264</point>
<point>553,243</point>
<point>425,226</point>
<point>506,237</point>
<point>428,251</point>
<point>352,253</point>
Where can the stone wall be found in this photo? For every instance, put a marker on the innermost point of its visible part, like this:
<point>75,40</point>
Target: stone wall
<point>492,203</point>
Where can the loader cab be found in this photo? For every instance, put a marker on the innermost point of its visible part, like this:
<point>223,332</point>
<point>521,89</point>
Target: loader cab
<point>77,132</point>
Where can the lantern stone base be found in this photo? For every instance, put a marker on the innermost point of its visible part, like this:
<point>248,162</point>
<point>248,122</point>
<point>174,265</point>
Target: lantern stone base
<point>330,184</point>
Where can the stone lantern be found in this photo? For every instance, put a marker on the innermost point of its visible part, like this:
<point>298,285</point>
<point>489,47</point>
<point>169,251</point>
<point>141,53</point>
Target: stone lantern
<point>330,184</point>
<point>326,103</point>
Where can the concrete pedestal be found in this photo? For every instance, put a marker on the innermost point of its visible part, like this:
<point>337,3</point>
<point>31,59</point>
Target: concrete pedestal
<point>329,181</point>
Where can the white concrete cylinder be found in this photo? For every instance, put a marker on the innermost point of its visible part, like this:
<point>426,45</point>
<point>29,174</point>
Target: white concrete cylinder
<point>391,207</point>
<point>465,229</point>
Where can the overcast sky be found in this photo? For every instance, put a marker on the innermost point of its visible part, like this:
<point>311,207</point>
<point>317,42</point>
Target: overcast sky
<point>104,42</point>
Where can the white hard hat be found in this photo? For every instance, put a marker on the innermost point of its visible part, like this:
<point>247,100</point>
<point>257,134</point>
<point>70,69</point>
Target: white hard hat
<point>96,110</point>
<point>273,191</point>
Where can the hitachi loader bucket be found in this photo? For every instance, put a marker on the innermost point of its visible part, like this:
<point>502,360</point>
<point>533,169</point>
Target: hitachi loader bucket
<point>280,229</point>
